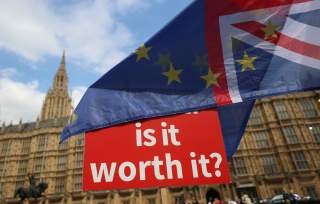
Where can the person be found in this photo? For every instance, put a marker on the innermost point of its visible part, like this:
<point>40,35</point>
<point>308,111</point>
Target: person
<point>210,200</point>
<point>32,182</point>
<point>245,199</point>
<point>230,201</point>
<point>190,199</point>
<point>194,200</point>
<point>217,201</point>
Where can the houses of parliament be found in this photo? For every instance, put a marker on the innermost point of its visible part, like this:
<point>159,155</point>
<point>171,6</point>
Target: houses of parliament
<point>279,152</point>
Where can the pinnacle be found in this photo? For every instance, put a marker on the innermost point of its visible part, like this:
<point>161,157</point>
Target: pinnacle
<point>63,58</point>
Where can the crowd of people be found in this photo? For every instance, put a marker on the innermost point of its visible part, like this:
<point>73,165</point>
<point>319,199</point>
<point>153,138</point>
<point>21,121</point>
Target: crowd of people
<point>214,198</point>
<point>191,199</point>
<point>244,199</point>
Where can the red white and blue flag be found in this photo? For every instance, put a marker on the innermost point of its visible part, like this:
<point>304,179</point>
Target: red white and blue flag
<point>263,47</point>
<point>216,54</point>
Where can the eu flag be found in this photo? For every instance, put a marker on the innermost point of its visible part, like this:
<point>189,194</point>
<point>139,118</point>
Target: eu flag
<point>222,54</point>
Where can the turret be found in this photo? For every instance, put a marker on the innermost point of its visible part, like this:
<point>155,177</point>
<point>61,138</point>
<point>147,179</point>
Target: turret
<point>57,103</point>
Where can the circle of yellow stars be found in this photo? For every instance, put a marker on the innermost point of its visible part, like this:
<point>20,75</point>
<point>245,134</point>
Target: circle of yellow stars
<point>173,74</point>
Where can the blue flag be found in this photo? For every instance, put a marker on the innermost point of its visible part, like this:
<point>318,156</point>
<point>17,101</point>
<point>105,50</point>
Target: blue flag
<point>215,53</point>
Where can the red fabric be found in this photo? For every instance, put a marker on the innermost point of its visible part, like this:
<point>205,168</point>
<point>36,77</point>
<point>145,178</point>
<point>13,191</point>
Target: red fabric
<point>213,10</point>
<point>282,40</point>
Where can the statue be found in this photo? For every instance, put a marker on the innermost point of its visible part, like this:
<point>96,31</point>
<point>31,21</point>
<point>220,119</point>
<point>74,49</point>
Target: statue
<point>32,182</point>
<point>33,191</point>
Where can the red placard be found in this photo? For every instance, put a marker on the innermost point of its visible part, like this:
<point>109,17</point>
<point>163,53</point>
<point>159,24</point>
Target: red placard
<point>184,149</point>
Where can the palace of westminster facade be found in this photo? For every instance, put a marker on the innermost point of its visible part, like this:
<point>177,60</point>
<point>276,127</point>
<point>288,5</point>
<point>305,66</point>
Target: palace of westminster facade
<point>279,152</point>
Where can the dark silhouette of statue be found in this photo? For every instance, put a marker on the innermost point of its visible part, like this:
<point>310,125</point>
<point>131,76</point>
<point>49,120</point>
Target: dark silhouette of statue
<point>33,191</point>
<point>32,182</point>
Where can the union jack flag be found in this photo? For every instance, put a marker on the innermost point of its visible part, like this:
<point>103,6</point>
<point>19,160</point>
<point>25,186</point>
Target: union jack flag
<point>278,41</point>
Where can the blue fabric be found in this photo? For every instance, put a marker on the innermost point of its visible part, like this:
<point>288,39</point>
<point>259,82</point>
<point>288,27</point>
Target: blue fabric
<point>139,88</point>
<point>309,18</point>
<point>183,41</point>
<point>234,119</point>
<point>273,75</point>
<point>109,107</point>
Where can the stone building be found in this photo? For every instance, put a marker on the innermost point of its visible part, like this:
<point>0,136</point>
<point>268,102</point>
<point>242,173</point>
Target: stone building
<point>280,151</point>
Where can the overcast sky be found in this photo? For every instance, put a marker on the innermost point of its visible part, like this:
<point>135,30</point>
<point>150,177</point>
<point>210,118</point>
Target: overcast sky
<point>97,34</point>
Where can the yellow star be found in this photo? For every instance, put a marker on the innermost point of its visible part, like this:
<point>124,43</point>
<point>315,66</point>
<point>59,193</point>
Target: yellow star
<point>73,118</point>
<point>270,30</point>
<point>142,52</point>
<point>211,79</point>
<point>164,60</point>
<point>201,61</point>
<point>173,74</point>
<point>247,62</point>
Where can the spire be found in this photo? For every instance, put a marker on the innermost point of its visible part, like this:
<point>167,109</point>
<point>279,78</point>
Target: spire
<point>61,78</point>
<point>63,59</point>
<point>57,103</point>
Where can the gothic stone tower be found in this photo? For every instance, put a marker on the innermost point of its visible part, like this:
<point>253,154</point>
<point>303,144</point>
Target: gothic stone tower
<point>57,103</point>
